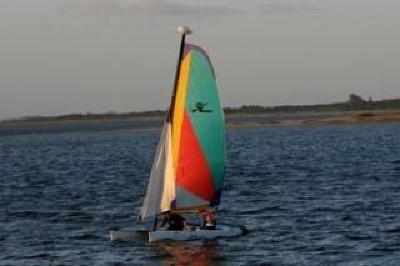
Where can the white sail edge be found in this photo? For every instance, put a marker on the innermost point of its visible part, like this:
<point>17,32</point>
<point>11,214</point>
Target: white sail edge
<point>161,187</point>
<point>169,190</point>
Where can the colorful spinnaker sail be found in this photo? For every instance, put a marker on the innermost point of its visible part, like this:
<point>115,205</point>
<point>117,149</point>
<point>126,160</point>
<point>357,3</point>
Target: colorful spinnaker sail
<point>189,166</point>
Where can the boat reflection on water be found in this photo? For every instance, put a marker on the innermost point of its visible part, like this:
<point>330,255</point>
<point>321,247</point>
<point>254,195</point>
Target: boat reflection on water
<point>190,253</point>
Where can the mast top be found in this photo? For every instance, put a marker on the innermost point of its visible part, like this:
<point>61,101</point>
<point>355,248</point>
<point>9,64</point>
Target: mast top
<point>184,30</point>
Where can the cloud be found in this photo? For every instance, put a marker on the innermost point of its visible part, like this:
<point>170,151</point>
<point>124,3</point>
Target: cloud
<point>284,6</point>
<point>148,7</point>
<point>169,8</point>
<point>105,7</point>
<point>178,8</point>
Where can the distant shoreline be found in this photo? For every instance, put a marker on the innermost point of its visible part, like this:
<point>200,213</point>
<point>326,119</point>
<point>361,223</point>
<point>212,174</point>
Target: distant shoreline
<point>355,105</point>
<point>355,110</point>
<point>241,120</point>
<point>336,118</point>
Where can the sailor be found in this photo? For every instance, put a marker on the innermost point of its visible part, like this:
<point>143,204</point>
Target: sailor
<point>209,219</point>
<point>175,221</point>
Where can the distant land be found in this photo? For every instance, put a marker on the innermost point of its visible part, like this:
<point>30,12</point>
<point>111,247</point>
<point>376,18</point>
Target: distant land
<point>355,109</point>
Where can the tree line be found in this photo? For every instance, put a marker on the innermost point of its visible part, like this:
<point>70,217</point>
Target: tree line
<point>354,103</point>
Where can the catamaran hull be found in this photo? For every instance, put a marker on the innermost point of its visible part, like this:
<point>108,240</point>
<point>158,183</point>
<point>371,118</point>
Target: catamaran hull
<point>187,235</point>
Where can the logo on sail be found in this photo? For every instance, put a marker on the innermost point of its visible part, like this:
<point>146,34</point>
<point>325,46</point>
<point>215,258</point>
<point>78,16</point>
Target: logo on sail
<point>200,107</point>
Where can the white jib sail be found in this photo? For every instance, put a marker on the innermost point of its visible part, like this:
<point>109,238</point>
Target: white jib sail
<point>161,188</point>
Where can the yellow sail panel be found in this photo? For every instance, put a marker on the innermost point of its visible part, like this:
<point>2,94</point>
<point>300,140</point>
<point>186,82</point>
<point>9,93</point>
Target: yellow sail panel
<point>179,109</point>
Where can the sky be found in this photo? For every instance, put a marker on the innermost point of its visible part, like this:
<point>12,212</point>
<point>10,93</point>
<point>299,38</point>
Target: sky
<point>78,56</point>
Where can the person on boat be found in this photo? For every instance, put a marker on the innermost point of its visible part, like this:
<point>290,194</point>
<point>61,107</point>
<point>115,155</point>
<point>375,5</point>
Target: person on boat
<point>175,221</point>
<point>209,219</point>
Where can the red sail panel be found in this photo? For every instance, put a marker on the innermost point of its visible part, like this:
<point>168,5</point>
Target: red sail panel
<point>192,172</point>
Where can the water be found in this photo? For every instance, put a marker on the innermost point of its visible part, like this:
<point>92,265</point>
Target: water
<point>327,195</point>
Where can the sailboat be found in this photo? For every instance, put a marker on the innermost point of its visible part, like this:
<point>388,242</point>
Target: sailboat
<point>189,166</point>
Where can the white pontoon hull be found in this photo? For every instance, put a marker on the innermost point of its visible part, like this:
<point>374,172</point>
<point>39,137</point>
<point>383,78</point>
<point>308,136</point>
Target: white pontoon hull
<point>129,235</point>
<point>197,234</point>
<point>185,235</point>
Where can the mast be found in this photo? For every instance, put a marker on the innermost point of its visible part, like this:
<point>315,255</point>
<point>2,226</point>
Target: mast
<point>158,169</point>
<point>183,30</point>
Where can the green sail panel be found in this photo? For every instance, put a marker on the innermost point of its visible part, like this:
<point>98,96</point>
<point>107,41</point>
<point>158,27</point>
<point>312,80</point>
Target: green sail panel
<point>206,114</point>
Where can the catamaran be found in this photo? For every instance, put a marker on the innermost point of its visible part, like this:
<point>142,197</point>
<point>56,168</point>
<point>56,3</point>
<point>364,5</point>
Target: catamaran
<point>189,166</point>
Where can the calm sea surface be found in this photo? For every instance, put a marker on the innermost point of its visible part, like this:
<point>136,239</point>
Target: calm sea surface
<point>323,195</point>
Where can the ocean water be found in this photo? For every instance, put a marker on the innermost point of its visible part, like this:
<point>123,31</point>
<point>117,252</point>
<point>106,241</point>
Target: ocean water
<point>311,195</point>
